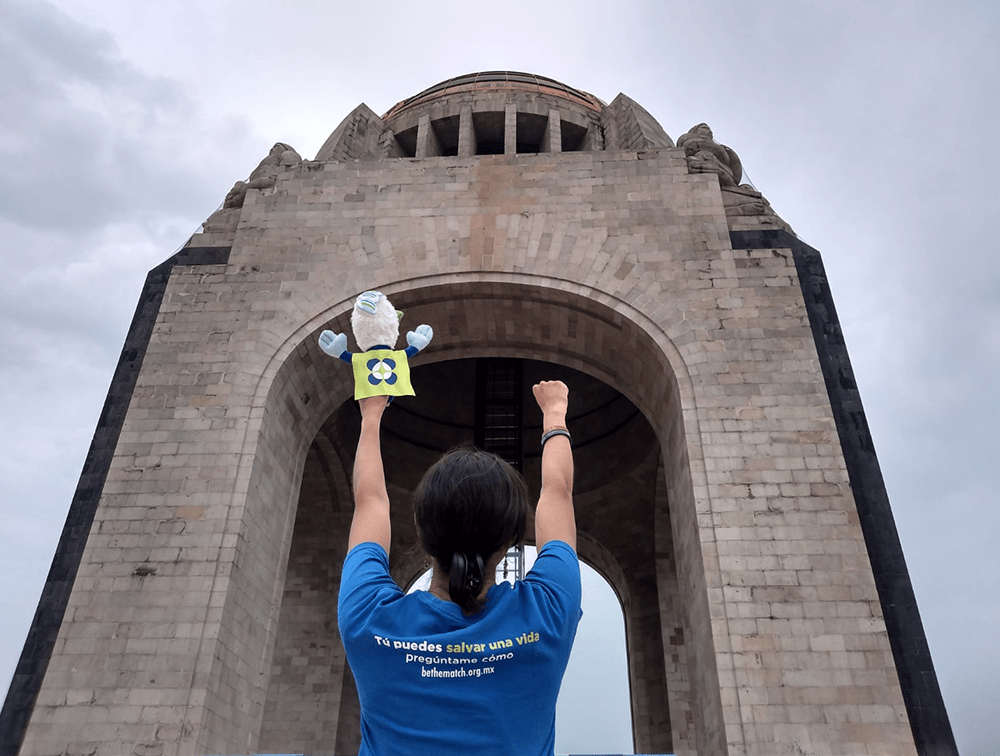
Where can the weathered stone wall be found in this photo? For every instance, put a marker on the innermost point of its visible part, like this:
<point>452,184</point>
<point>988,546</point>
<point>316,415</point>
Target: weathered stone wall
<point>357,137</point>
<point>629,126</point>
<point>617,264</point>
<point>306,676</point>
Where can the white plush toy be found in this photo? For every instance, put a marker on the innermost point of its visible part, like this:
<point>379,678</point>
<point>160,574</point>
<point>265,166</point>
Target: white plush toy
<point>379,369</point>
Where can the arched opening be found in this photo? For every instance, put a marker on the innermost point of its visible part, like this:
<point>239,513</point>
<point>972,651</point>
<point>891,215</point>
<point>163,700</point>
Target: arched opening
<point>617,457</point>
<point>594,713</point>
<point>632,494</point>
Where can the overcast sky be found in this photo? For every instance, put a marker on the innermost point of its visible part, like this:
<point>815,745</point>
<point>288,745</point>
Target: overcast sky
<point>872,128</point>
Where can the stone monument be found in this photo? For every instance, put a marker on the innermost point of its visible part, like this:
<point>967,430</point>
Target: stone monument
<point>727,484</point>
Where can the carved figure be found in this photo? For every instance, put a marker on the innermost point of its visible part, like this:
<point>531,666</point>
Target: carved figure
<point>705,155</point>
<point>745,200</point>
<point>265,175</point>
<point>281,157</point>
<point>227,218</point>
<point>236,195</point>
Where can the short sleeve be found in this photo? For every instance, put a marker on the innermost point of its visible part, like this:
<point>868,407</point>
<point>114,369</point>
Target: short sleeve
<point>365,584</point>
<point>555,578</point>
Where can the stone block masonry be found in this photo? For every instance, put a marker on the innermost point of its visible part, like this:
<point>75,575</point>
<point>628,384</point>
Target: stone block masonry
<point>727,488</point>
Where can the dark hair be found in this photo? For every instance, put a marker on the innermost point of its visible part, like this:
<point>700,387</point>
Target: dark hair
<point>469,505</point>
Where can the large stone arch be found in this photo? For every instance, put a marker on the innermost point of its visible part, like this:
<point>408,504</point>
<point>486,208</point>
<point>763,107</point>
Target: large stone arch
<point>614,344</point>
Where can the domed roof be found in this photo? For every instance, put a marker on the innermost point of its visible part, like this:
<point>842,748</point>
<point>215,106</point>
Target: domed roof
<point>490,81</point>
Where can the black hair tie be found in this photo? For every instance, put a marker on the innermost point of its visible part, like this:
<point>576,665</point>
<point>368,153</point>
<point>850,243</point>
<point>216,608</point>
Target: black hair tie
<point>466,576</point>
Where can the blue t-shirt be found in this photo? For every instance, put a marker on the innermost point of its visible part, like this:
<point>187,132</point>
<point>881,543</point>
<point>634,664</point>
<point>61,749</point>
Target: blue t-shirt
<point>434,681</point>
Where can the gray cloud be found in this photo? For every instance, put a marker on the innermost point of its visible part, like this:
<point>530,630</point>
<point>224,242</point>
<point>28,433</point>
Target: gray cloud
<point>92,140</point>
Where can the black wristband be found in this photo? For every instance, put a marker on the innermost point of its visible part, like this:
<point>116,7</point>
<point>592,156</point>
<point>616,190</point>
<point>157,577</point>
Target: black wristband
<point>556,432</point>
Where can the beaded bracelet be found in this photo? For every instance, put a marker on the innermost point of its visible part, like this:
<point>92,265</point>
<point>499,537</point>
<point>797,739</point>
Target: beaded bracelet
<point>556,432</point>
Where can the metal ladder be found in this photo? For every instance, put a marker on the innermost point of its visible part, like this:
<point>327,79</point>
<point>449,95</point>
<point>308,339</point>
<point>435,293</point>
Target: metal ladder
<point>498,429</point>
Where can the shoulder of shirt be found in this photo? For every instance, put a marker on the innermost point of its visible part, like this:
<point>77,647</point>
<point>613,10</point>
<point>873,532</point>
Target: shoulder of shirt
<point>556,544</point>
<point>368,547</point>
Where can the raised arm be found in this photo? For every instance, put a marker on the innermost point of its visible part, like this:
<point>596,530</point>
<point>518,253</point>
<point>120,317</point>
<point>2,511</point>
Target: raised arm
<point>371,500</point>
<point>554,517</point>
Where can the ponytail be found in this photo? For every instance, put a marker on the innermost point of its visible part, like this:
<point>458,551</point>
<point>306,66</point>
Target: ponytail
<point>468,506</point>
<point>465,581</point>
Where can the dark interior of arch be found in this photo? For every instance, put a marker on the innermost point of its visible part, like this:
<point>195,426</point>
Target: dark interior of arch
<point>620,501</point>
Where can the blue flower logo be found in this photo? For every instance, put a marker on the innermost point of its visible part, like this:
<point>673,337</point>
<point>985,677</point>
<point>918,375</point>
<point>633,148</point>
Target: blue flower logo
<point>382,370</point>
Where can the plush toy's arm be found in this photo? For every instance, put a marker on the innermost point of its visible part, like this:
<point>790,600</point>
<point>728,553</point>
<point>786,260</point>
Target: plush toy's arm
<point>418,339</point>
<point>335,345</point>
